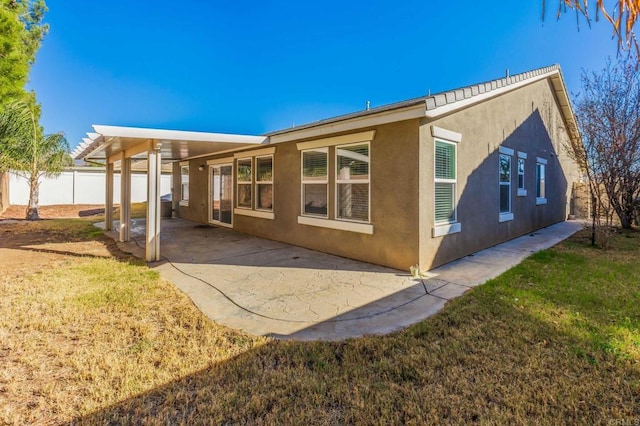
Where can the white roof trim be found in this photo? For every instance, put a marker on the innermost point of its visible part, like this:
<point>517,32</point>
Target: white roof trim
<point>392,116</point>
<point>463,103</point>
<point>176,135</point>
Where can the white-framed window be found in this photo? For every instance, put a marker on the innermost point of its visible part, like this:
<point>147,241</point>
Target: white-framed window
<point>254,183</point>
<point>264,183</point>
<point>349,176</point>
<point>504,181</point>
<point>541,182</point>
<point>315,182</point>
<point>184,183</point>
<point>352,182</point>
<point>244,181</point>
<point>522,192</point>
<point>445,182</point>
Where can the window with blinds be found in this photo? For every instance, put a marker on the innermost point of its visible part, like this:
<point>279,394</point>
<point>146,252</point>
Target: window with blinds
<point>352,182</point>
<point>315,182</point>
<point>505,183</point>
<point>264,183</point>
<point>244,182</point>
<point>184,183</point>
<point>445,182</point>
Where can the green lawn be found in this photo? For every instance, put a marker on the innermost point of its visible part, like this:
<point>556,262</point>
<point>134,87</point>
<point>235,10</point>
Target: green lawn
<point>104,340</point>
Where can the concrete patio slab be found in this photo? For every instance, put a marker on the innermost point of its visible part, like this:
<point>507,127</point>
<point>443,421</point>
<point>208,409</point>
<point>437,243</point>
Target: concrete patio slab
<point>270,288</point>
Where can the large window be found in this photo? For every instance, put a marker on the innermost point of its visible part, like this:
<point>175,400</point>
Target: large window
<point>184,184</point>
<point>505,183</point>
<point>541,187</point>
<point>352,182</point>
<point>264,183</point>
<point>335,182</point>
<point>245,184</point>
<point>445,182</point>
<point>315,182</point>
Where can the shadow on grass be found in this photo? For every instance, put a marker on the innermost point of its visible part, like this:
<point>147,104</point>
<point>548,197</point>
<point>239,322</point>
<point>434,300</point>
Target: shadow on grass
<point>483,359</point>
<point>93,212</point>
<point>29,235</point>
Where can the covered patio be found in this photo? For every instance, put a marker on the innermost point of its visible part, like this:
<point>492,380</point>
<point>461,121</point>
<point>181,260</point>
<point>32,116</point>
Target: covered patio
<point>117,147</point>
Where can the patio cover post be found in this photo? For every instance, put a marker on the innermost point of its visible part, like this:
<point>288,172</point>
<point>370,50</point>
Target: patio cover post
<point>154,161</point>
<point>108,205</point>
<point>125,198</point>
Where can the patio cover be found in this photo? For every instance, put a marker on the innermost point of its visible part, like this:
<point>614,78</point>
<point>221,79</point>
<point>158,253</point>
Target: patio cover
<point>111,144</point>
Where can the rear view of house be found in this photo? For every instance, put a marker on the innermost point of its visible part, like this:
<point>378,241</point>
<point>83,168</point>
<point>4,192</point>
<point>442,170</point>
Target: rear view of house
<point>424,181</point>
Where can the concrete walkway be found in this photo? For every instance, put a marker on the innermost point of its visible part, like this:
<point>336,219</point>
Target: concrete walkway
<point>269,288</point>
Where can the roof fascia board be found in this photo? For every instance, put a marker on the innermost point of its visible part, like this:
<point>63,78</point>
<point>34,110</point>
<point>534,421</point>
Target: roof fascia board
<point>401,114</point>
<point>226,151</point>
<point>454,106</point>
<point>177,135</point>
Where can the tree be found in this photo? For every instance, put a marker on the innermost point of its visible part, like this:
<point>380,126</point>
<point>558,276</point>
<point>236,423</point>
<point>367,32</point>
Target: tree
<point>25,150</point>
<point>608,118</point>
<point>622,15</point>
<point>21,32</point>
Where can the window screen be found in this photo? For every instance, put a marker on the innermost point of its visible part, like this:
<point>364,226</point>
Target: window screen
<point>244,183</point>
<point>314,182</point>
<point>505,183</point>
<point>352,182</point>
<point>264,183</point>
<point>184,183</point>
<point>445,182</point>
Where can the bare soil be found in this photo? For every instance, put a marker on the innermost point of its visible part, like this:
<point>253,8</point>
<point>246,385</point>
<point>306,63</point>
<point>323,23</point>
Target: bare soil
<point>24,243</point>
<point>61,211</point>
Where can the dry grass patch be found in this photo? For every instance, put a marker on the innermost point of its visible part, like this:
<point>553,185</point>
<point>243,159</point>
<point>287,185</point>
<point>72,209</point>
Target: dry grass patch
<point>104,341</point>
<point>86,331</point>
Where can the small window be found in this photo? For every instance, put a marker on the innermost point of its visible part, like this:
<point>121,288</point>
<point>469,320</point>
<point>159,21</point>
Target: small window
<point>315,182</point>
<point>520,173</point>
<point>244,180</point>
<point>184,185</point>
<point>522,192</point>
<point>541,187</point>
<point>445,182</point>
<point>352,182</point>
<point>264,183</point>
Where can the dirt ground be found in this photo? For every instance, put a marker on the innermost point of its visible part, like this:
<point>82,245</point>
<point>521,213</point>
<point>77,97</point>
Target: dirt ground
<point>24,244</point>
<point>55,211</point>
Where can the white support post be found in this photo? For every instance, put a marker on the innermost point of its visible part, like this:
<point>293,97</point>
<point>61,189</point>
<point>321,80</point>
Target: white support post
<point>154,161</point>
<point>125,198</point>
<point>108,204</point>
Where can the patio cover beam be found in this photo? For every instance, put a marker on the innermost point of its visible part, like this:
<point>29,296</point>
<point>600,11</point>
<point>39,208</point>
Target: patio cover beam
<point>108,205</point>
<point>154,170</point>
<point>125,198</point>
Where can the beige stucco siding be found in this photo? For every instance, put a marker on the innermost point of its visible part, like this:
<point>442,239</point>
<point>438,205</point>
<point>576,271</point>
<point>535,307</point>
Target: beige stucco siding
<point>394,174</point>
<point>526,120</point>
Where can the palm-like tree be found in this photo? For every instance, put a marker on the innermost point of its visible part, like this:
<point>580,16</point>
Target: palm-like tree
<point>29,153</point>
<point>621,14</point>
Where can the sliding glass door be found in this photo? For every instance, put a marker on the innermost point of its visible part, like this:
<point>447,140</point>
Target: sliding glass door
<point>221,190</point>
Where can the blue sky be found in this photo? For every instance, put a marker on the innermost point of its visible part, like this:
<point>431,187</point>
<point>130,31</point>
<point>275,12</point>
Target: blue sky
<point>254,67</point>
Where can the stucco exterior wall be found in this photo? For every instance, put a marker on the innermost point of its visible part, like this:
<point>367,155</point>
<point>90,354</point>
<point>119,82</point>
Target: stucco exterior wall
<point>393,204</point>
<point>526,120</point>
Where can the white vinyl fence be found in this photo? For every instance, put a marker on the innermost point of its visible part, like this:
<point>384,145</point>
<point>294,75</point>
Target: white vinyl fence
<point>82,186</point>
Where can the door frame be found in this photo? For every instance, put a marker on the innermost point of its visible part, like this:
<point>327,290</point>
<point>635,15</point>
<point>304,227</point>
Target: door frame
<point>218,163</point>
